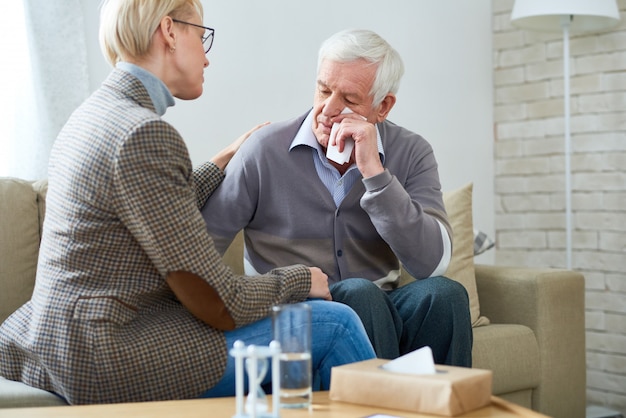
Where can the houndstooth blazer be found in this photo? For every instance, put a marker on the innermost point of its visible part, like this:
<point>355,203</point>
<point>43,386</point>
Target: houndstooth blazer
<point>123,211</point>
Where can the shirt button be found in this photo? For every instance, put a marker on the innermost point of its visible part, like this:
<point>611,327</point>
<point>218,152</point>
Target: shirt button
<point>339,253</point>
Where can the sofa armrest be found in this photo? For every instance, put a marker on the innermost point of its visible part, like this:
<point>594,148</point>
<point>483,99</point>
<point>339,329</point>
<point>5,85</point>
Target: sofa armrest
<point>551,303</point>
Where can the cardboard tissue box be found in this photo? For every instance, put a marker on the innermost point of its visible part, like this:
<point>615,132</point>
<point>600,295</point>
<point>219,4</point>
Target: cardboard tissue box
<point>440,390</point>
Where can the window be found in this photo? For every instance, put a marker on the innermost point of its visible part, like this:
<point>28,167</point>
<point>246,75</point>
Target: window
<point>43,79</point>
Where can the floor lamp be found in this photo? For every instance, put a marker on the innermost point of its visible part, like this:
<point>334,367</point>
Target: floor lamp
<point>569,16</point>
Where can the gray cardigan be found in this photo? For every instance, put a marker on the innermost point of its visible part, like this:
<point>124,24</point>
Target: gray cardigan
<point>290,217</point>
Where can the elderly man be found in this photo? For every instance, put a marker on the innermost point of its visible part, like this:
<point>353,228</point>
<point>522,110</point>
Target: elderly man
<point>357,218</point>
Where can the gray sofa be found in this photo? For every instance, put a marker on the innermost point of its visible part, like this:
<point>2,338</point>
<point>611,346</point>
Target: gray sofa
<point>534,342</point>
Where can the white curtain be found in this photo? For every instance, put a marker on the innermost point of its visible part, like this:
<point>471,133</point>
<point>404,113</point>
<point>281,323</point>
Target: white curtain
<point>43,79</point>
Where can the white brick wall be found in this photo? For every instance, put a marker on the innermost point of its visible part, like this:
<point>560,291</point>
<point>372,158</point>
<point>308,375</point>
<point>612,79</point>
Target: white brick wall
<point>530,180</point>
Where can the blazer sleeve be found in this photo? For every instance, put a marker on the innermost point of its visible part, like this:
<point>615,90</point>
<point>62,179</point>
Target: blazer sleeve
<point>207,178</point>
<point>156,199</point>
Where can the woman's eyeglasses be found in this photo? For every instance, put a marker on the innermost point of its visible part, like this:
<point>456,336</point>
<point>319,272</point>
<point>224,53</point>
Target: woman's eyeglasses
<point>207,39</point>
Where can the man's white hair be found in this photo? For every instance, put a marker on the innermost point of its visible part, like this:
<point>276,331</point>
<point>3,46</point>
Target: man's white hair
<point>353,44</point>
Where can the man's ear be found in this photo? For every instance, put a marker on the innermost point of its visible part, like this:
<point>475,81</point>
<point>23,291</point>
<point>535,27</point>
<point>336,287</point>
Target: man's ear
<point>385,107</point>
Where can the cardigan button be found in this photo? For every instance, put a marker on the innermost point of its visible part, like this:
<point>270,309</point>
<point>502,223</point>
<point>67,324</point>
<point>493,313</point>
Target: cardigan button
<point>339,253</point>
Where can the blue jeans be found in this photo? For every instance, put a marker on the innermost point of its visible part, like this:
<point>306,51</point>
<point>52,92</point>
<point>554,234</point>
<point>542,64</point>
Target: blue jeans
<point>338,337</point>
<point>433,312</point>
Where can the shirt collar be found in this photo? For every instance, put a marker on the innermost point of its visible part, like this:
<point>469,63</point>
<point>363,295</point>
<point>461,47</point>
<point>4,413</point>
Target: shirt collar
<point>305,137</point>
<point>157,90</point>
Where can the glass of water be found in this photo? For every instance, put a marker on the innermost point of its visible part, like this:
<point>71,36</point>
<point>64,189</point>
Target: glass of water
<point>292,329</point>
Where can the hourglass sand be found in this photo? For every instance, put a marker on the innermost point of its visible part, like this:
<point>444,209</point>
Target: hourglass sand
<point>256,400</point>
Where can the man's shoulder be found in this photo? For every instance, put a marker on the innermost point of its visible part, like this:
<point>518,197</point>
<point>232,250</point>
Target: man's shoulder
<point>283,129</point>
<point>398,136</point>
<point>391,129</point>
<point>274,135</point>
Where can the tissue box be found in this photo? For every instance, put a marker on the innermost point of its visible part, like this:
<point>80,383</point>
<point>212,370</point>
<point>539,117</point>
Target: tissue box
<point>451,391</point>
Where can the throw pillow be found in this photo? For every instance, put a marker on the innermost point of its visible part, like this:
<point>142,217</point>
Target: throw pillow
<point>482,242</point>
<point>458,205</point>
<point>19,243</point>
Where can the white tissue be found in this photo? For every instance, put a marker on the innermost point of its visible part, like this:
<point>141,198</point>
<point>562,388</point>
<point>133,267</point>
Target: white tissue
<point>332,151</point>
<point>420,361</point>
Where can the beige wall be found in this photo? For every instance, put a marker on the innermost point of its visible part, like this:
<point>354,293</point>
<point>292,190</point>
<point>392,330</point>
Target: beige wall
<point>529,175</point>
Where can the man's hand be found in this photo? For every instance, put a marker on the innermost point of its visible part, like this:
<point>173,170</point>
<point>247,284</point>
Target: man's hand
<point>319,284</point>
<point>365,153</point>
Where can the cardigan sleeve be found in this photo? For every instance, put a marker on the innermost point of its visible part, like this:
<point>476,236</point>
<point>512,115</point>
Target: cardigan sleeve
<point>410,216</point>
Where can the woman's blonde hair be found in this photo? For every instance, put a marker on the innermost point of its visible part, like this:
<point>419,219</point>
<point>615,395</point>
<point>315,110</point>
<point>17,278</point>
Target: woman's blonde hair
<point>127,26</point>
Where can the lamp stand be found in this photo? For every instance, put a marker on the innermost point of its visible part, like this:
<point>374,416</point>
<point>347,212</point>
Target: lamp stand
<point>565,24</point>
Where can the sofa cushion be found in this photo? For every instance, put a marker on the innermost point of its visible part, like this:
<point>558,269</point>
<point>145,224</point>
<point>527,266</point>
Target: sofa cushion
<point>511,351</point>
<point>458,205</point>
<point>19,243</point>
<point>41,188</point>
<point>19,395</point>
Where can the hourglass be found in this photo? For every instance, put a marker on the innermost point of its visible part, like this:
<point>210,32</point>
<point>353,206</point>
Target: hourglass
<point>256,366</point>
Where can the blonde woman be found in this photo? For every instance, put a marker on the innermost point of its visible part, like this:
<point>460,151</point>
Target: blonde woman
<point>132,301</point>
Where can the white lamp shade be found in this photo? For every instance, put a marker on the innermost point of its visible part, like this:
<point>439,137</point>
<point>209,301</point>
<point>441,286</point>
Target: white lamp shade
<point>547,15</point>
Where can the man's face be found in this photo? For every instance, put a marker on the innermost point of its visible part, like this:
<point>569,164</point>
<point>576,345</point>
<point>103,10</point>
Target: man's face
<point>341,85</point>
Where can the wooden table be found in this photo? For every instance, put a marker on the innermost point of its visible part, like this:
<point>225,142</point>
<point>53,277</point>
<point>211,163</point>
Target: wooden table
<point>225,408</point>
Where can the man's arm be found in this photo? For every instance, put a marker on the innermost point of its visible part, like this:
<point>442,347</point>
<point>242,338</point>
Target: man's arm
<point>411,218</point>
<point>231,206</point>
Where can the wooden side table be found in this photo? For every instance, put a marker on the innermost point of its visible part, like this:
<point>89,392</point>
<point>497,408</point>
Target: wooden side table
<point>225,408</point>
